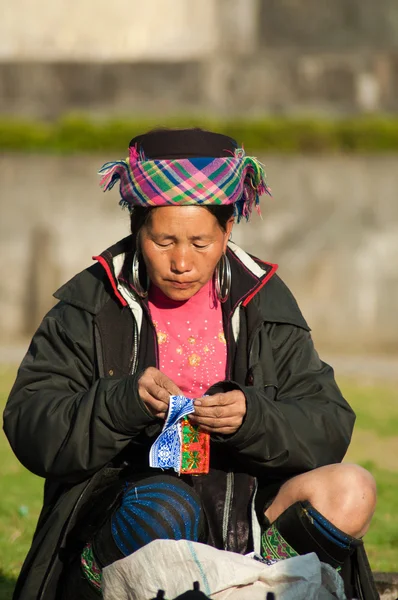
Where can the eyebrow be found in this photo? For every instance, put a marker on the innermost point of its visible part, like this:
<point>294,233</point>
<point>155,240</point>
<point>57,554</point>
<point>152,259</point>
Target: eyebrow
<point>193,238</point>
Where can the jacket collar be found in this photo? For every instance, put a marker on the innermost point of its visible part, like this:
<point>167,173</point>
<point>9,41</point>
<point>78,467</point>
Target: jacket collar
<point>248,275</point>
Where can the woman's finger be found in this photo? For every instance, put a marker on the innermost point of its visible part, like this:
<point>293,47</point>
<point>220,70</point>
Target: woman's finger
<point>158,392</point>
<point>167,384</point>
<point>217,412</point>
<point>215,400</point>
<point>160,415</point>
<point>159,385</point>
<point>215,422</point>
<point>153,404</point>
<point>219,430</point>
<point>153,393</point>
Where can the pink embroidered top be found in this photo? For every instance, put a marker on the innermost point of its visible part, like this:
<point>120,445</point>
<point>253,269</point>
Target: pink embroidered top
<point>192,346</point>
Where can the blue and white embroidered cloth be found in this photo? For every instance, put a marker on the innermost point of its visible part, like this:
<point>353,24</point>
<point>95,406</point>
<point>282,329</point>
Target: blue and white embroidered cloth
<point>165,452</point>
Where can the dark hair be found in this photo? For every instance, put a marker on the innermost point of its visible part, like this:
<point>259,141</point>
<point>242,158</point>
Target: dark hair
<point>141,215</point>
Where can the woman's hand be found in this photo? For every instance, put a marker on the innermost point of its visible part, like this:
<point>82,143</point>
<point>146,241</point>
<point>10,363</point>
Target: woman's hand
<point>221,413</point>
<point>155,389</point>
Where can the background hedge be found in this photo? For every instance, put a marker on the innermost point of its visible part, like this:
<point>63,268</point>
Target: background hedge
<point>75,134</point>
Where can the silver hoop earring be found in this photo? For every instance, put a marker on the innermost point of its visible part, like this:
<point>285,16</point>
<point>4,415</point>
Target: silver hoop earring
<point>222,278</point>
<point>136,277</point>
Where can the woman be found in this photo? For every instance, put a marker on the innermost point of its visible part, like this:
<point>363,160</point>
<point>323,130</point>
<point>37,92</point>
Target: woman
<point>178,309</point>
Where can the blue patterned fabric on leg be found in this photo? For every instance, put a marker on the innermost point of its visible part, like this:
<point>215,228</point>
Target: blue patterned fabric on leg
<point>161,507</point>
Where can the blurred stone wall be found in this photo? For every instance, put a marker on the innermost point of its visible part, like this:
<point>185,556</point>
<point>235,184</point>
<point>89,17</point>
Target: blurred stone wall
<point>241,57</point>
<point>332,226</point>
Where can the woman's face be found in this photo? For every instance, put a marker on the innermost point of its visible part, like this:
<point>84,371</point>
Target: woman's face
<point>181,246</point>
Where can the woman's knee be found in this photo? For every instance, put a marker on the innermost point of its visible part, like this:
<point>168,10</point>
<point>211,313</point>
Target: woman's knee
<point>356,486</point>
<point>344,493</point>
<point>352,493</point>
<point>346,488</point>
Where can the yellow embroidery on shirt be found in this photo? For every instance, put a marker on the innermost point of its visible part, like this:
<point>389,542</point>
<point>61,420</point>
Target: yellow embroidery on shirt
<point>162,337</point>
<point>221,337</point>
<point>194,360</point>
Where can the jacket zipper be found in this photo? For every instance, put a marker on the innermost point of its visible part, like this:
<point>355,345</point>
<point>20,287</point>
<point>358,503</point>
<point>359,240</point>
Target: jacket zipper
<point>229,492</point>
<point>134,361</point>
<point>134,353</point>
<point>229,495</point>
<point>134,357</point>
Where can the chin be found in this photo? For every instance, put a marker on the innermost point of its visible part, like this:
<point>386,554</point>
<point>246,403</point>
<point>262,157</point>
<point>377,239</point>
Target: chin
<point>179,294</point>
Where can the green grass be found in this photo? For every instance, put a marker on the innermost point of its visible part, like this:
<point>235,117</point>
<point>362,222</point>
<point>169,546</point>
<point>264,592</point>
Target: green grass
<point>377,410</point>
<point>19,505</point>
<point>382,537</point>
<point>376,407</point>
<point>80,133</point>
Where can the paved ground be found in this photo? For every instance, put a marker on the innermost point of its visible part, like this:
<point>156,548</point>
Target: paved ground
<point>365,367</point>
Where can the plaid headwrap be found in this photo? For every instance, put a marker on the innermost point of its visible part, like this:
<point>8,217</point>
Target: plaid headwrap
<point>238,180</point>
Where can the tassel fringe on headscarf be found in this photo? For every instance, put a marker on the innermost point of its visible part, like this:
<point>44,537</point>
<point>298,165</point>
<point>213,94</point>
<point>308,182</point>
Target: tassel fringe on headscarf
<point>238,180</point>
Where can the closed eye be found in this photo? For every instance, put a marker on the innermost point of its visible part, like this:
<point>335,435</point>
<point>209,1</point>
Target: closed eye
<point>163,245</point>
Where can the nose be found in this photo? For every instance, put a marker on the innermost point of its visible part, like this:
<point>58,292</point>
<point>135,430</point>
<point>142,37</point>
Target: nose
<point>181,261</point>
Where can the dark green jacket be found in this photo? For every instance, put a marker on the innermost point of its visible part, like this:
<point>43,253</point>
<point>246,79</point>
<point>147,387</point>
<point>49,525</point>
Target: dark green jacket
<point>74,415</point>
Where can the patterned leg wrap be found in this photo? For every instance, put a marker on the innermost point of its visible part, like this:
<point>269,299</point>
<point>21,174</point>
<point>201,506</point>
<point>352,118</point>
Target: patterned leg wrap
<point>90,568</point>
<point>273,547</point>
<point>300,530</point>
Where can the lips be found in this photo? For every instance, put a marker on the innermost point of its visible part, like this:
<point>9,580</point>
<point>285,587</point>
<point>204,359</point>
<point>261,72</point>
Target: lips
<point>176,281</point>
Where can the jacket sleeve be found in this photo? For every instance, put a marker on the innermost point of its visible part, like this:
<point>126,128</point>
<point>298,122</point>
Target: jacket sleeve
<point>60,421</point>
<point>301,423</point>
